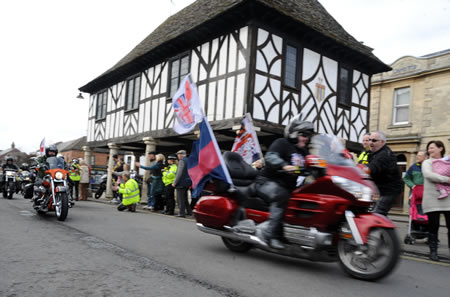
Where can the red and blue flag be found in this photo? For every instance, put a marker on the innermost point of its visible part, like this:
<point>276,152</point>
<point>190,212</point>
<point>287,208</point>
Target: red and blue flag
<point>205,161</point>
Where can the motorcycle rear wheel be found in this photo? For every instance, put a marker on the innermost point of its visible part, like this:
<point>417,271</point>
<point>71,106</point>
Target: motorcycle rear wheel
<point>237,246</point>
<point>62,206</point>
<point>380,258</point>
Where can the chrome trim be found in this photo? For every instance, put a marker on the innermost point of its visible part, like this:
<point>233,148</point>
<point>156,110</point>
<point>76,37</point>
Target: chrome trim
<point>349,215</point>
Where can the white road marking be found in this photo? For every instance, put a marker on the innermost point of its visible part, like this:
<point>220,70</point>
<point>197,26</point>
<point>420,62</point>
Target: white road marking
<point>27,213</point>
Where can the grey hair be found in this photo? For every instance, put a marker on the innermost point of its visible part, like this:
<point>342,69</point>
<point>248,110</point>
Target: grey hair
<point>382,135</point>
<point>126,173</point>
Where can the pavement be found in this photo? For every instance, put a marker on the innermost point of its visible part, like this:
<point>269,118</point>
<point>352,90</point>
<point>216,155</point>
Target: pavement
<point>418,250</point>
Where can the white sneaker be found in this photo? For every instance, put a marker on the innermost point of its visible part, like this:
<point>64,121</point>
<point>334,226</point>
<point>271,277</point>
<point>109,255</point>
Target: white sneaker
<point>145,207</point>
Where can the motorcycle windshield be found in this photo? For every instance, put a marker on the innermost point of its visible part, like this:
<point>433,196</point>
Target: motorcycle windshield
<point>55,163</point>
<point>331,149</point>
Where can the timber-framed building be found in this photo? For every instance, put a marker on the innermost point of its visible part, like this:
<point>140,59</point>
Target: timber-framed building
<point>271,58</point>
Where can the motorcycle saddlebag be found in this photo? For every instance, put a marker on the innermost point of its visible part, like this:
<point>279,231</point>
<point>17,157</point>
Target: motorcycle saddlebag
<point>214,211</point>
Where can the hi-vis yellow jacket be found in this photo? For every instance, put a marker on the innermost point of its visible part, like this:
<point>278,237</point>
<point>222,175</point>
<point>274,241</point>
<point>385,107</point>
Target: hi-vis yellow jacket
<point>130,192</point>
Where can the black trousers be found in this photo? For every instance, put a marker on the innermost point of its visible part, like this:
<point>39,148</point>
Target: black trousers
<point>170,199</point>
<point>74,185</point>
<point>385,203</point>
<point>434,222</point>
<point>183,202</point>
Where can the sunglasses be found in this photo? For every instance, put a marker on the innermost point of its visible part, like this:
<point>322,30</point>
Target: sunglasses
<point>374,140</point>
<point>305,134</point>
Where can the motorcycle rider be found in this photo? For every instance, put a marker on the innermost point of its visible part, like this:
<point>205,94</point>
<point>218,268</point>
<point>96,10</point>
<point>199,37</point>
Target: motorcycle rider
<point>277,181</point>
<point>8,165</point>
<point>74,176</point>
<point>50,151</point>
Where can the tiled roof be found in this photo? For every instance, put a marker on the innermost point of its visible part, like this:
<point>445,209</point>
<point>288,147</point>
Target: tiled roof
<point>76,144</point>
<point>308,12</point>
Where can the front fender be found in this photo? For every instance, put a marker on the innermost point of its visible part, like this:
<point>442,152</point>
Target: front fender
<point>367,221</point>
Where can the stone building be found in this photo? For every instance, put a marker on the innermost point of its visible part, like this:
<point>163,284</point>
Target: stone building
<point>411,103</point>
<point>272,59</point>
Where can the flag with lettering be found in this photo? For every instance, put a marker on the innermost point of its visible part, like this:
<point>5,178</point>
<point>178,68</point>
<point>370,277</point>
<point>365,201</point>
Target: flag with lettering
<point>186,107</point>
<point>205,161</point>
<point>246,142</point>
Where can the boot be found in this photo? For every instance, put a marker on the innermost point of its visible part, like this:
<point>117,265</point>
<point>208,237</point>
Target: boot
<point>432,241</point>
<point>121,207</point>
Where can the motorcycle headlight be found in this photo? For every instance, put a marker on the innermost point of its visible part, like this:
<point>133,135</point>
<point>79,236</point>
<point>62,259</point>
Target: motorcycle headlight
<point>59,175</point>
<point>360,191</point>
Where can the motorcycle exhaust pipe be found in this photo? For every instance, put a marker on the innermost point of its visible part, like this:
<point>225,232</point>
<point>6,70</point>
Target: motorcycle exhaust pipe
<point>231,235</point>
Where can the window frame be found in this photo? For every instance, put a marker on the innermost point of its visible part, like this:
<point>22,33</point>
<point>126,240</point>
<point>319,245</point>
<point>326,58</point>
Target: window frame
<point>136,98</point>
<point>297,66</point>
<point>178,58</point>
<point>101,106</point>
<point>395,106</point>
<point>346,102</point>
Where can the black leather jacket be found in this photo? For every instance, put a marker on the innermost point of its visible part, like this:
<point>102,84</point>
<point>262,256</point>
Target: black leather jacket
<point>384,171</point>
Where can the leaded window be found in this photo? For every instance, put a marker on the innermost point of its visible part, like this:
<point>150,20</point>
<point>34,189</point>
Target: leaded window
<point>102,98</point>
<point>178,70</point>
<point>133,93</point>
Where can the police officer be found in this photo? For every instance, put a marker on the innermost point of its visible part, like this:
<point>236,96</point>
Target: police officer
<point>276,181</point>
<point>363,157</point>
<point>74,175</point>
<point>130,193</point>
<point>168,179</point>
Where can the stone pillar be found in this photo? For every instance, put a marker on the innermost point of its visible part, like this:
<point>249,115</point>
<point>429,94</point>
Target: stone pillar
<point>87,155</point>
<point>113,149</point>
<point>150,145</point>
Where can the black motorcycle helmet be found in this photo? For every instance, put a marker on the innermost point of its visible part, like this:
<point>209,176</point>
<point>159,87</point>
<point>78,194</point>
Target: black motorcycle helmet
<point>51,148</point>
<point>24,166</point>
<point>9,160</point>
<point>298,127</point>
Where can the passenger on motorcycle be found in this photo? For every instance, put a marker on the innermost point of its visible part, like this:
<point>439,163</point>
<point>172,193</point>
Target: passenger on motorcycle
<point>277,181</point>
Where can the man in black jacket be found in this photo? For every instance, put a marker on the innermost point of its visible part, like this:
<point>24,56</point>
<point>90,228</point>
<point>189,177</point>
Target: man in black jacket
<point>181,184</point>
<point>384,172</point>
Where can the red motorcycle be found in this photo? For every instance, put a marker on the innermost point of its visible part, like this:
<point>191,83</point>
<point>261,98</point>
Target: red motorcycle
<point>327,218</point>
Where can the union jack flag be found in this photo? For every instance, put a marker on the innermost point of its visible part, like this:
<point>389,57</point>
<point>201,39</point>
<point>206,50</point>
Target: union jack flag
<point>186,107</point>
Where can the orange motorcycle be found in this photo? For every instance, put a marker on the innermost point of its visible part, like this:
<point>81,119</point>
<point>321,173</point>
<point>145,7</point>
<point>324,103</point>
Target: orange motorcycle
<point>53,193</point>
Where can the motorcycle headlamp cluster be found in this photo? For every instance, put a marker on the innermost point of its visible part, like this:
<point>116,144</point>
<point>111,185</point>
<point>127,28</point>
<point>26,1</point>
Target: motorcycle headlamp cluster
<point>360,191</point>
<point>59,175</point>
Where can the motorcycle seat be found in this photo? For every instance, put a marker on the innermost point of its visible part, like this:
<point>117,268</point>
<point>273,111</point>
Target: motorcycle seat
<point>241,173</point>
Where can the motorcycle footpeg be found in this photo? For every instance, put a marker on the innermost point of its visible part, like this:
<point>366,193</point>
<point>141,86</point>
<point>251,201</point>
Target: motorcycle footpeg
<point>245,226</point>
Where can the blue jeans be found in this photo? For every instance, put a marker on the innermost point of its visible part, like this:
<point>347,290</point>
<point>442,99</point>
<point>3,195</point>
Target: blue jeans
<point>150,200</point>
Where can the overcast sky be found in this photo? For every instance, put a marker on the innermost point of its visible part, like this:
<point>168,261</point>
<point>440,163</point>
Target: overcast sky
<point>50,48</point>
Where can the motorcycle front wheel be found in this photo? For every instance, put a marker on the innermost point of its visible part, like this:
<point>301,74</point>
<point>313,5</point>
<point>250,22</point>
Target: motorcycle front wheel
<point>11,191</point>
<point>373,261</point>
<point>61,206</point>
